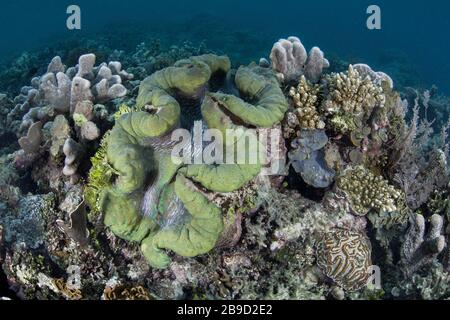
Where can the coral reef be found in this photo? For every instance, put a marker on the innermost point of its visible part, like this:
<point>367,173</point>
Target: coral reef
<point>94,205</point>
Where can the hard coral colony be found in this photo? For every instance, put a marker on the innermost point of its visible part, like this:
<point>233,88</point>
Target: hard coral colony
<point>111,208</point>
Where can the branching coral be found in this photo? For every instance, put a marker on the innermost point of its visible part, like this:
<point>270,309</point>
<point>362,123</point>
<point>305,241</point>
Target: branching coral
<point>367,191</point>
<point>351,95</point>
<point>306,100</point>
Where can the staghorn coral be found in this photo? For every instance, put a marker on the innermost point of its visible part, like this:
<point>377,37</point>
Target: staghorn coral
<point>345,257</point>
<point>290,60</point>
<point>306,103</point>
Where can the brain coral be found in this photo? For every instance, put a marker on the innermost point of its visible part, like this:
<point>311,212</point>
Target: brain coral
<point>345,257</point>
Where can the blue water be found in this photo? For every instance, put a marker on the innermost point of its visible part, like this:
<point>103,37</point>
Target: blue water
<point>416,33</point>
